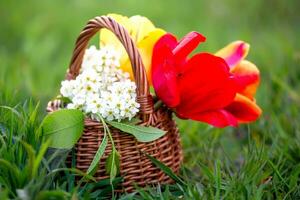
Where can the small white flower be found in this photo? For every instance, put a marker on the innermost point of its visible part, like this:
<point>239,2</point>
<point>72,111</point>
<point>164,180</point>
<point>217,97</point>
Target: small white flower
<point>93,104</point>
<point>89,75</point>
<point>67,88</point>
<point>109,114</point>
<point>102,88</point>
<point>79,99</point>
<point>71,106</point>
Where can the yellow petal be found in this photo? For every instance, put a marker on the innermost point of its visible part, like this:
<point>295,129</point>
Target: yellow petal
<point>137,26</point>
<point>248,76</point>
<point>141,27</point>
<point>142,32</point>
<point>108,38</point>
<point>234,52</point>
<point>145,47</point>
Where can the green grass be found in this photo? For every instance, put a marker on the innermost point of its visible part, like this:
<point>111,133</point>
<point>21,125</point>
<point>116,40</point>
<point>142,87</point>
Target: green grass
<point>256,161</point>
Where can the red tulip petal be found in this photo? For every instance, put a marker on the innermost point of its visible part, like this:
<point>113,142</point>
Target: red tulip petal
<point>168,40</point>
<point>234,52</point>
<point>244,109</point>
<point>205,84</point>
<point>218,118</point>
<point>164,75</point>
<point>186,45</point>
<point>248,78</point>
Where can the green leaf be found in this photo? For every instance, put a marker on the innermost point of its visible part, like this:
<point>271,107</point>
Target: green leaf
<point>9,166</point>
<point>165,169</point>
<point>112,164</point>
<point>133,121</point>
<point>141,133</point>
<point>63,127</point>
<point>39,157</point>
<point>98,155</point>
<point>31,157</point>
<point>73,170</point>
<point>34,114</point>
<point>65,100</point>
<point>54,194</point>
<point>13,110</point>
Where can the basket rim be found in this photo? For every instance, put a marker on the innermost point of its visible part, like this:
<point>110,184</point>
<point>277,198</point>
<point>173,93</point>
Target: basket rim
<point>144,97</point>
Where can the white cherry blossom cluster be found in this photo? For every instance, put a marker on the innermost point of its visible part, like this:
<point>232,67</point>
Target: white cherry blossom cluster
<point>102,88</point>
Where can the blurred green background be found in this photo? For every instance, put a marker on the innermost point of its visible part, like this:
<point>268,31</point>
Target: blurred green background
<point>37,39</point>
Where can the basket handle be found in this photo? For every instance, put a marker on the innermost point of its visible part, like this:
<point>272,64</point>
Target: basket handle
<point>144,97</point>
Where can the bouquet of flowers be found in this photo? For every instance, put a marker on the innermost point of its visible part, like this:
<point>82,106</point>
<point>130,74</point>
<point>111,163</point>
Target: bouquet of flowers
<point>214,88</point>
<point>102,89</point>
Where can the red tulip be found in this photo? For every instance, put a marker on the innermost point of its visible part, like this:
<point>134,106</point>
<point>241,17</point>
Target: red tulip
<point>197,88</point>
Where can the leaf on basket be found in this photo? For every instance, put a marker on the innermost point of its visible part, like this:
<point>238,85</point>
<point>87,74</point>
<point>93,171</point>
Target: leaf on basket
<point>165,169</point>
<point>98,156</point>
<point>133,121</point>
<point>141,133</point>
<point>63,127</point>
<point>112,164</point>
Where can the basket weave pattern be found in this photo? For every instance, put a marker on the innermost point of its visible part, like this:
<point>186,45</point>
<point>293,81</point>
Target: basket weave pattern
<point>135,167</point>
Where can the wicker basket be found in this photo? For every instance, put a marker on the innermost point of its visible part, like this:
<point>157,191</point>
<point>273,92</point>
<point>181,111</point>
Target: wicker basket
<point>135,167</point>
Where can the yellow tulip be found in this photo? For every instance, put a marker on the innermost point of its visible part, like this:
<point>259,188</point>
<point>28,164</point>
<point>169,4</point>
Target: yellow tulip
<point>143,33</point>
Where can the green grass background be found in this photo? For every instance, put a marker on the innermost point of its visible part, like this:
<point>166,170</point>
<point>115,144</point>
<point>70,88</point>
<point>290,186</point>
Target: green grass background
<point>37,39</point>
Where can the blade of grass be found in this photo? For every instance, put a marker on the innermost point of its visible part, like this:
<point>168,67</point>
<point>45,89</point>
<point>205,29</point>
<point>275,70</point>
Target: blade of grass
<point>39,157</point>
<point>77,171</point>
<point>165,169</point>
<point>277,173</point>
<point>31,158</point>
<point>217,179</point>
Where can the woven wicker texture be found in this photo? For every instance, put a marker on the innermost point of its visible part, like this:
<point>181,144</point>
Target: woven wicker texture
<point>135,167</point>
